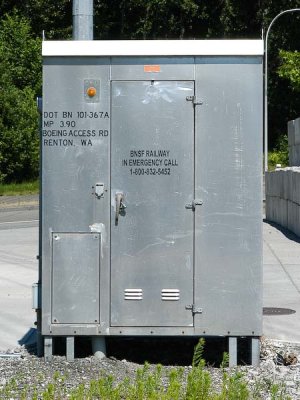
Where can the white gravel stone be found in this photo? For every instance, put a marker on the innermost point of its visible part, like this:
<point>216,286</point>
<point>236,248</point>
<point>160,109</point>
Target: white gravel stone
<point>34,372</point>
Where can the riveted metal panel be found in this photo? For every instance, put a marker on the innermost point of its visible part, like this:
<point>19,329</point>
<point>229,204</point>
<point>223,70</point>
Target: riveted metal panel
<point>75,278</point>
<point>153,284</point>
<point>75,139</point>
<point>152,164</point>
<point>228,242</point>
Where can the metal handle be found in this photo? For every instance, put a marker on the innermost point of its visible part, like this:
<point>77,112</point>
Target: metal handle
<point>119,205</point>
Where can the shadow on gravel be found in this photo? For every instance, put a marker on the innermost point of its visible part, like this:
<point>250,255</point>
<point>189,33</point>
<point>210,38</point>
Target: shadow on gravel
<point>289,234</point>
<point>174,351</point>
<point>165,351</point>
<point>29,341</point>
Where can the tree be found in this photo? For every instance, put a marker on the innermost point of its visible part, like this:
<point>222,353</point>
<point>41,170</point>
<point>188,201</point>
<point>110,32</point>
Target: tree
<point>20,64</point>
<point>284,102</point>
<point>290,68</point>
<point>52,17</point>
<point>20,82</point>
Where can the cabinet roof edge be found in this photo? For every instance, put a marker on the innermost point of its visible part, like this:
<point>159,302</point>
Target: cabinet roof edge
<point>121,48</point>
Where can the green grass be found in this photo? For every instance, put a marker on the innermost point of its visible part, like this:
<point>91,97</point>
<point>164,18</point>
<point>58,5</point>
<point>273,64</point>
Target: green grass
<point>14,189</point>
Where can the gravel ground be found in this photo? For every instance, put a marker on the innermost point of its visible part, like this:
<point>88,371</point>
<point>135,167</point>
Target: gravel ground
<point>280,363</point>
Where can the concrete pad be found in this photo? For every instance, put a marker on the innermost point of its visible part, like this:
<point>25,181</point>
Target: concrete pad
<point>282,327</point>
<point>281,282</point>
<point>18,270</point>
<point>294,272</point>
<point>279,289</point>
<point>269,256</point>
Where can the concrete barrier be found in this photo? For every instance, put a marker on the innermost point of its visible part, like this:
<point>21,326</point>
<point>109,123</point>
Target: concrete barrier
<point>283,198</point>
<point>294,142</point>
<point>283,186</point>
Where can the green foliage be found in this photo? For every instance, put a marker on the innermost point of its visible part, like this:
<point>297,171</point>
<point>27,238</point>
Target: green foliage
<point>198,352</point>
<point>20,82</point>
<point>18,135</point>
<point>199,384</point>
<point>234,387</point>
<point>290,67</point>
<point>280,154</point>
<point>53,17</point>
<point>20,55</point>
<point>150,384</point>
<point>225,361</point>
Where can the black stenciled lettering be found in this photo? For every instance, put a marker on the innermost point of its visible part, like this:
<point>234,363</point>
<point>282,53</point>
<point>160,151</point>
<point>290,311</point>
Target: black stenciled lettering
<point>86,142</point>
<point>171,162</point>
<point>68,124</point>
<point>92,114</point>
<point>50,114</point>
<point>103,132</point>
<point>137,153</point>
<point>55,132</point>
<point>58,142</point>
<point>157,153</point>
<point>67,114</point>
<point>48,124</point>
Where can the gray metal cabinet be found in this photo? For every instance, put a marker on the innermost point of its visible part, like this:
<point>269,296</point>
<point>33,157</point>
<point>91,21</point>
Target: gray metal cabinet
<point>151,188</point>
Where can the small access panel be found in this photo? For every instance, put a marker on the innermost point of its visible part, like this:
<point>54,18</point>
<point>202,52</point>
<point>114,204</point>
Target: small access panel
<point>75,278</point>
<point>152,184</point>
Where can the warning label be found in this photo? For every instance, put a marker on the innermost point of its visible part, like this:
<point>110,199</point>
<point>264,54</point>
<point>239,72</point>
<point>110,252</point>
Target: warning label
<point>150,162</point>
<point>72,128</point>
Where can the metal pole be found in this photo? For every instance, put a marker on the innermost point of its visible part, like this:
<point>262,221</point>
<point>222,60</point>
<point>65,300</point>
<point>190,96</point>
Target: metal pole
<point>266,81</point>
<point>82,19</point>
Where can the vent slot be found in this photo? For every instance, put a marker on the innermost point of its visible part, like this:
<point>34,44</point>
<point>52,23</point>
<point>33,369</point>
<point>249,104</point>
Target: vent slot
<point>170,294</point>
<point>133,294</point>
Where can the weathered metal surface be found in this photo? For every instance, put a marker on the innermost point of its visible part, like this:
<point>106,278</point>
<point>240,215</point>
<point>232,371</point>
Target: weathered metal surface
<point>152,163</point>
<point>170,236</point>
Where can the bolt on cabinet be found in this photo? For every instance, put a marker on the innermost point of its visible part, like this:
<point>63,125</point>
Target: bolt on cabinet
<point>151,189</point>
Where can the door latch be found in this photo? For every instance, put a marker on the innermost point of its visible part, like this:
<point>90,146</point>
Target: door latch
<point>193,99</point>
<point>99,190</point>
<point>194,309</point>
<point>193,204</point>
<point>120,206</point>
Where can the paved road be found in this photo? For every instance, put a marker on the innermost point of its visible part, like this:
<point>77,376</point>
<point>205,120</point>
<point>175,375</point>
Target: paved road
<point>18,270</point>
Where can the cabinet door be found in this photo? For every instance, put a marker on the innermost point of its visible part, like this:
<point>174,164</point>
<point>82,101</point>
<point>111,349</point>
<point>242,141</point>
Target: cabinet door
<point>152,175</point>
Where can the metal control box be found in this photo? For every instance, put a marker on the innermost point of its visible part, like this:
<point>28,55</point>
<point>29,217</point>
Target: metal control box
<point>151,204</point>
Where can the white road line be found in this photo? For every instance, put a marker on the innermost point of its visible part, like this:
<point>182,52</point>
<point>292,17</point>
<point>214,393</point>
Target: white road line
<point>19,222</point>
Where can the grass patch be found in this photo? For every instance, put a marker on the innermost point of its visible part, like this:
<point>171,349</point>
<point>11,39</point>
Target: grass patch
<point>15,189</point>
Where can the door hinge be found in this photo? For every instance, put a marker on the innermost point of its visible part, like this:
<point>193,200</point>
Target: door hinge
<point>193,204</point>
<point>194,309</point>
<point>194,100</point>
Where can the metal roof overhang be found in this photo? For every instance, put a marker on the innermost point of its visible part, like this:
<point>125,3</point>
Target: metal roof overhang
<point>115,48</point>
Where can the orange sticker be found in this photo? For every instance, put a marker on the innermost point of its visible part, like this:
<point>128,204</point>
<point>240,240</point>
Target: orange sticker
<point>151,68</point>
